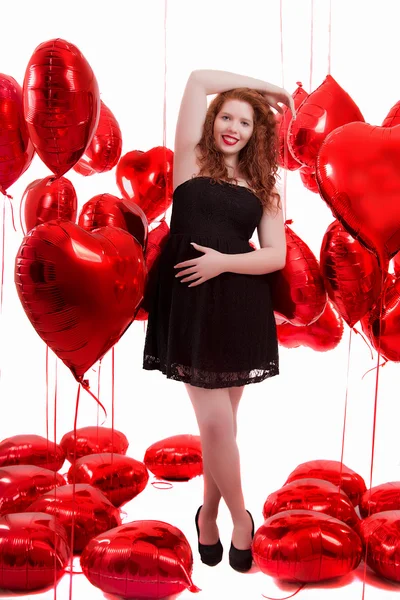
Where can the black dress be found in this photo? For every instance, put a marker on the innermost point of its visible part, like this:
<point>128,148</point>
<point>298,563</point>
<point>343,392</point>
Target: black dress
<point>222,332</point>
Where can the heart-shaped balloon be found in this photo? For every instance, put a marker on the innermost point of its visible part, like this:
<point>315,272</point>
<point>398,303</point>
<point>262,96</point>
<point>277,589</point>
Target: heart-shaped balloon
<point>306,546</point>
<point>34,551</point>
<point>285,157</point>
<point>20,485</point>
<point>337,473</point>
<point>141,559</point>
<point>61,104</point>
<point>31,450</point>
<point>93,440</point>
<point>146,178</point>
<point>312,494</point>
<point>382,324</point>
<point>298,292</point>
<point>80,290</point>
<point>16,148</point>
<point>385,496</point>
<point>157,240</point>
<point>47,199</point>
<point>393,117</point>
<point>107,210</point>
<point>82,507</point>
<point>367,202</point>
<point>381,536</point>
<point>351,274</point>
<point>325,109</point>
<point>104,151</point>
<point>322,335</point>
<point>176,458</point>
<point>307,176</point>
<point>119,477</point>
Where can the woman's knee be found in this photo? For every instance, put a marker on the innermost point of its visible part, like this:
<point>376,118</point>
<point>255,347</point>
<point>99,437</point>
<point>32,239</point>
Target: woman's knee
<point>213,409</point>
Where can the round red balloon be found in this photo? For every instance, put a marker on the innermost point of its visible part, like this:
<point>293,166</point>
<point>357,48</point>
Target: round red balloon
<point>381,536</point>
<point>31,450</point>
<point>34,551</point>
<point>107,210</point>
<point>176,458</point>
<point>80,290</point>
<point>146,178</point>
<point>306,546</point>
<point>298,292</point>
<point>337,473</point>
<point>84,508</point>
<point>385,496</point>
<point>141,559</point>
<point>322,335</point>
<point>93,440</point>
<point>61,104</point>
<point>119,477</point>
<point>20,485</point>
<point>351,274</point>
<point>367,202</point>
<point>16,148</point>
<point>312,494</point>
<point>325,109</point>
<point>104,151</point>
<point>47,199</point>
<point>157,240</point>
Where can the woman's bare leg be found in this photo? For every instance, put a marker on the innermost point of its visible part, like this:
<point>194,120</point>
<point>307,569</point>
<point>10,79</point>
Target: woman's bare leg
<point>215,417</point>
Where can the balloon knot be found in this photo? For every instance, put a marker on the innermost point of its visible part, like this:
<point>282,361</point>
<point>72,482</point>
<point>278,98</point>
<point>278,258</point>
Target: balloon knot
<point>288,221</point>
<point>299,83</point>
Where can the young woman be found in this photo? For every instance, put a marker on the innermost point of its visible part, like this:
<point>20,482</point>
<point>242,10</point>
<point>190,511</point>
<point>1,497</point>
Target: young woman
<point>211,324</point>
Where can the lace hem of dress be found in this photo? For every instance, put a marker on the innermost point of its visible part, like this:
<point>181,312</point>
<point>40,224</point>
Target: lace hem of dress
<point>210,379</point>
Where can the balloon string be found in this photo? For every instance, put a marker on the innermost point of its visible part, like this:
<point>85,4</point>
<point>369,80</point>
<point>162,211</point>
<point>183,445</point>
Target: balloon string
<point>285,146</point>
<point>311,43</point>
<point>330,37</point>
<point>345,412</point>
<point>55,474</point>
<point>286,597</point>
<point>12,213</point>
<point>73,493</point>
<point>166,186</point>
<point>365,340</point>
<point>112,401</point>
<point>167,485</point>
<point>373,368</point>
<point>47,401</point>
<point>85,384</point>
<point>374,425</point>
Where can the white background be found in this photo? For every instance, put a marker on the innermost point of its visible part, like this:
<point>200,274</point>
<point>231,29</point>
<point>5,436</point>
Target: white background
<point>289,419</point>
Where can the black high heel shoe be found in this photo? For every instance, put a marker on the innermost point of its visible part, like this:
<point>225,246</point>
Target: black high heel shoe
<point>210,554</point>
<point>241,560</point>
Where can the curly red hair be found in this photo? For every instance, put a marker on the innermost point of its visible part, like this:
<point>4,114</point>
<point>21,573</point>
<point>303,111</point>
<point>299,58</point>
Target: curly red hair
<point>258,160</point>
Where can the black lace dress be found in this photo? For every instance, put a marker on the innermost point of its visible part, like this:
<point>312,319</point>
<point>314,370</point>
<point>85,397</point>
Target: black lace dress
<point>222,332</point>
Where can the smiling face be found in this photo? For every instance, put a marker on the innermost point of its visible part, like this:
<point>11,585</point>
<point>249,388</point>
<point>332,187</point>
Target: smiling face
<point>233,126</point>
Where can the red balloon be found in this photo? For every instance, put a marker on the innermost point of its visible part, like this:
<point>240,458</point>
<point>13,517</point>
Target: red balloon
<point>157,240</point>
<point>352,275</point>
<point>93,440</point>
<point>146,178</point>
<point>381,534</point>
<point>20,485</point>
<point>385,496</point>
<point>47,199</point>
<point>107,210</point>
<point>31,450</point>
<point>348,480</point>
<point>306,546</point>
<point>34,551</point>
<point>322,335</point>
<point>80,290</point>
<point>312,494</point>
<point>61,104</point>
<point>307,176</point>
<point>119,477</point>
<point>367,202</point>
<point>104,151</point>
<point>298,292</point>
<point>325,109</point>
<point>382,324</point>
<point>16,148</point>
<point>285,158</point>
<point>176,458</point>
<point>141,559</point>
<point>85,508</point>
